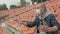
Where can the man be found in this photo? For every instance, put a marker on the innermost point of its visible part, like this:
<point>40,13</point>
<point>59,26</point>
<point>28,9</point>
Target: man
<point>45,22</point>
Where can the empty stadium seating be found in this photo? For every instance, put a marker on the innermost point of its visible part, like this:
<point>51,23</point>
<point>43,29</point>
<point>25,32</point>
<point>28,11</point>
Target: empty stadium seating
<point>17,16</point>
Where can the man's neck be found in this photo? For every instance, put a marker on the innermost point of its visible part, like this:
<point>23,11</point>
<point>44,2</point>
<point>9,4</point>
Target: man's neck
<point>42,15</point>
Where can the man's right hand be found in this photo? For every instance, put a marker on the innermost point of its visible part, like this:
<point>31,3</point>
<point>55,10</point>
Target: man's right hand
<point>41,28</point>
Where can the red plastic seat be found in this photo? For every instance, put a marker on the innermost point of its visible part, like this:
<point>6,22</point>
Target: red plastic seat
<point>2,31</point>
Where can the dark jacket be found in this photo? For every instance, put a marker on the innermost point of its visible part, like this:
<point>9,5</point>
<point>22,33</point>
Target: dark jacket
<point>50,20</point>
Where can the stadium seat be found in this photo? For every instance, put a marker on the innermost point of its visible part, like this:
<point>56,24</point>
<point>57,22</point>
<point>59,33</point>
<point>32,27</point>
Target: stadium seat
<point>2,31</point>
<point>30,31</point>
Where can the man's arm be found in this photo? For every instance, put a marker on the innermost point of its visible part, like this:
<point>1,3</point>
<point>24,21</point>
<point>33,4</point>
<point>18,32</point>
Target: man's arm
<point>55,24</point>
<point>32,24</point>
<point>52,29</point>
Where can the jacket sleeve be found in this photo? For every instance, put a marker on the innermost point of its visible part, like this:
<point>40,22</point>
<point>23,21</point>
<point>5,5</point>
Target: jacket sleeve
<point>54,22</point>
<point>34,23</point>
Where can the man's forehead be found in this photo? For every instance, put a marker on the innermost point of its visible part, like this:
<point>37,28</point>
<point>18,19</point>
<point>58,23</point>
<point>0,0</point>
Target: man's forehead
<point>42,6</point>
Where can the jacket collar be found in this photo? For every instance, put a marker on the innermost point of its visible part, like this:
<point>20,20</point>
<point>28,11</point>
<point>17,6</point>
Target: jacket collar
<point>46,14</point>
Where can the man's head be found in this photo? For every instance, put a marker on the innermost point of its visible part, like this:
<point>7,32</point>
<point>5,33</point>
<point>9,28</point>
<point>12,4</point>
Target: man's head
<point>42,9</point>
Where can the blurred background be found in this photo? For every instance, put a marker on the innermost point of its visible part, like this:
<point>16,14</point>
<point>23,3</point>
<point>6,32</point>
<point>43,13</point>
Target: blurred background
<point>9,4</point>
<point>14,12</point>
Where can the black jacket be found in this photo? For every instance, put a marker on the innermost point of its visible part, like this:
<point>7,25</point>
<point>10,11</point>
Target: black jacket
<point>50,20</point>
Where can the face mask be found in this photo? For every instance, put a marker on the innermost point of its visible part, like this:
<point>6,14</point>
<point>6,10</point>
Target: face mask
<point>38,11</point>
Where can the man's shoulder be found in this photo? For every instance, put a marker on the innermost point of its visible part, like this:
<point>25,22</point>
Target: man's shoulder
<point>51,15</point>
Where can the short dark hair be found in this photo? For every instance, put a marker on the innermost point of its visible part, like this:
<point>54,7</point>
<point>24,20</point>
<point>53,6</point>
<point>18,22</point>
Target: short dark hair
<point>43,6</point>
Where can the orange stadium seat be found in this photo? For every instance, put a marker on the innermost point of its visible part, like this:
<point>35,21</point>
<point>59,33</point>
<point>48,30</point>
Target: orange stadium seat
<point>3,13</point>
<point>58,18</point>
<point>13,24</point>
<point>57,0</point>
<point>30,31</point>
<point>21,27</point>
<point>2,31</point>
<point>58,11</point>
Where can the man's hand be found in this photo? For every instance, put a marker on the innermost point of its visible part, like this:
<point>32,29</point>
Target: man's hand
<point>45,28</point>
<point>41,29</point>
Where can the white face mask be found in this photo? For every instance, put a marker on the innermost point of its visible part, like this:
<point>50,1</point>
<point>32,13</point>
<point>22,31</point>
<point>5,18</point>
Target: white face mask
<point>38,11</point>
